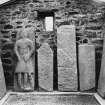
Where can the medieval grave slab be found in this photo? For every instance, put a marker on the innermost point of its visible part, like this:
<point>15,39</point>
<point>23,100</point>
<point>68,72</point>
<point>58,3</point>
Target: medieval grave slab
<point>87,66</point>
<point>66,51</point>
<point>2,81</point>
<point>45,67</point>
<point>101,81</point>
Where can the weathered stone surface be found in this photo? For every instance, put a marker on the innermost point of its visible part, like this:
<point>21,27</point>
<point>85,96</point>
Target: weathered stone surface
<point>67,81</point>
<point>50,99</point>
<point>67,66</point>
<point>101,82</point>
<point>86,66</point>
<point>22,14</point>
<point>64,60</point>
<point>45,67</point>
<point>2,81</point>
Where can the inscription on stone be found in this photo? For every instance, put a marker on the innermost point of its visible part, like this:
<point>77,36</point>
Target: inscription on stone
<point>2,81</point>
<point>45,67</point>
<point>66,51</point>
<point>86,66</point>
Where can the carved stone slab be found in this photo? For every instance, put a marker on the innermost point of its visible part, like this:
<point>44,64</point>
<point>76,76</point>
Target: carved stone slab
<point>101,82</point>
<point>45,67</point>
<point>86,66</point>
<point>67,66</point>
<point>66,79</point>
<point>2,81</point>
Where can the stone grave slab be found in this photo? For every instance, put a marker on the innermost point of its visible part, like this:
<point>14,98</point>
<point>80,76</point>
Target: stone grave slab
<point>86,66</point>
<point>101,81</point>
<point>2,81</point>
<point>67,62</point>
<point>66,79</point>
<point>45,67</point>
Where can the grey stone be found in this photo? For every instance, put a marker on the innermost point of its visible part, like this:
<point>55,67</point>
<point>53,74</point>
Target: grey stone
<point>64,60</point>
<point>67,79</point>
<point>67,66</point>
<point>50,99</point>
<point>45,67</point>
<point>2,81</point>
<point>87,66</point>
<point>101,81</point>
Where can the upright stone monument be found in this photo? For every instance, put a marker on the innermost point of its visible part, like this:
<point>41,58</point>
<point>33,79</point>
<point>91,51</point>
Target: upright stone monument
<point>67,62</point>
<point>86,66</point>
<point>101,82</point>
<point>24,73</point>
<point>45,67</point>
<point>2,81</point>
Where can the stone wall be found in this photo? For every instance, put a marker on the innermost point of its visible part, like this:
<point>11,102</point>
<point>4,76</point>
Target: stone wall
<point>24,14</point>
<point>22,18</point>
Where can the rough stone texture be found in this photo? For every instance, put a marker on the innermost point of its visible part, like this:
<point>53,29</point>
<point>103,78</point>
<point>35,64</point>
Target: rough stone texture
<point>2,81</point>
<point>67,66</point>
<point>101,82</point>
<point>87,66</point>
<point>51,99</point>
<point>16,17</point>
<point>87,15</point>
<point>67,79</point>
<point>45,67</point>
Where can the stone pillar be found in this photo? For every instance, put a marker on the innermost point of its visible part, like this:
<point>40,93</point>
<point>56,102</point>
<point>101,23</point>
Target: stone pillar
<point>45,67</point>
<point>2,81</point>
<point>67,62</point>
<point>86,66</point>
<point>101,81</point>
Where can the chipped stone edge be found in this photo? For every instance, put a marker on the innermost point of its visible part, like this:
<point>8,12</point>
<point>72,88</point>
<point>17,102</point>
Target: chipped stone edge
<point>4,98</point>
<point>99,99</point>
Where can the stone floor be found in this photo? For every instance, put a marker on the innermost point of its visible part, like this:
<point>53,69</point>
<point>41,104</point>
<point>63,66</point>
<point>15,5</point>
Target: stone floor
<point>51,98</point>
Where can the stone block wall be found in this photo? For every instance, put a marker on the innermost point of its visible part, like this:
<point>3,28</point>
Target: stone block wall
<point>22,18</point>
<point>20,15</point>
